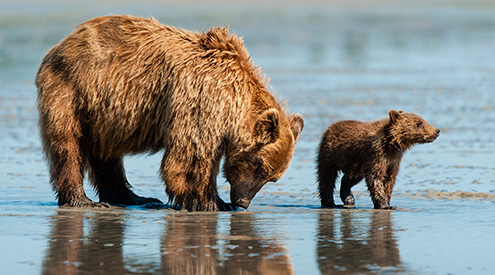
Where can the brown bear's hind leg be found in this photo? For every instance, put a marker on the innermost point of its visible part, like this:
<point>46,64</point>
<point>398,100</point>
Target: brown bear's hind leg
<point>67,172</point>
<point>108,177</point>
<point>326,185</point>
<point>346,195</point>
<point>67,178</point>
<point>66,162</point>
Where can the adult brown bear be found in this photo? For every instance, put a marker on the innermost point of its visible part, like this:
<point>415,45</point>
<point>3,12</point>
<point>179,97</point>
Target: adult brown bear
<point>124,85</point>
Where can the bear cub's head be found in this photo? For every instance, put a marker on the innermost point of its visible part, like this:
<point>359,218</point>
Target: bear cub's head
<point>408,129</point>
<point>267,159</point>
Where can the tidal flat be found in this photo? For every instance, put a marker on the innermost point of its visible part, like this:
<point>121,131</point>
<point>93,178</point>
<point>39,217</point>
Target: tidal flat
<point>330,60</point>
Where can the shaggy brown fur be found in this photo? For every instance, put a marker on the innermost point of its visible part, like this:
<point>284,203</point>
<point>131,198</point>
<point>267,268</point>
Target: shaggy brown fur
<point>368,150</point>
<point>123,85</point>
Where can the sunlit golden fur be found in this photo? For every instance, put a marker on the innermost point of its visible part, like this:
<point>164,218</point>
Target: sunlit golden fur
<point>123,85</point>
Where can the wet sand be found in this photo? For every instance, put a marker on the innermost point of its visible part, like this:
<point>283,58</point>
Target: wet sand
<point>330,61</point>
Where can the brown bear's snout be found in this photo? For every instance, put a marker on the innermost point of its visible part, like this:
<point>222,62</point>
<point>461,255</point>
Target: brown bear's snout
<point>432,137</point>
<point>240,200</point>
<point>244,203</point>
<point>437,133</point>
<point>241,194</point>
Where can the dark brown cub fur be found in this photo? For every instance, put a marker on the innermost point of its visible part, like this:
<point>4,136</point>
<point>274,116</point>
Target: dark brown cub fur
<point>368,150</point>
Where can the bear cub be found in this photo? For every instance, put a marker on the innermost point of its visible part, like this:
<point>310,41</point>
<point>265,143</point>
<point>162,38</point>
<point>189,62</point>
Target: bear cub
<point>371,151</point>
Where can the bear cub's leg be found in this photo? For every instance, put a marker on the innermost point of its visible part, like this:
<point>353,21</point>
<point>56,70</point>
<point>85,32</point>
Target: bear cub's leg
<point>326,185</point>
<point>346,195</point>
<point>108,177</point>
<point>379,196</point>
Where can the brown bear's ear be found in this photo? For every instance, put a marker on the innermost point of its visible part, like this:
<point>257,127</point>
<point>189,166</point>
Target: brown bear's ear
<point>266,129</point>
<point>296,124</point>
<point>394,115</point>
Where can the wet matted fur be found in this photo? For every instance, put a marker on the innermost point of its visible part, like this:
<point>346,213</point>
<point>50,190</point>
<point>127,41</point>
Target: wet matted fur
<point>124,85</point>
<point>368,150</point>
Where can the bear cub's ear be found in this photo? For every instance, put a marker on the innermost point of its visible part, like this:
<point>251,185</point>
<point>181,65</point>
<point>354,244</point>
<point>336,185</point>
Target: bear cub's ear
<point>266,129</point>
<point>296,125</point>
<point>394,115</point>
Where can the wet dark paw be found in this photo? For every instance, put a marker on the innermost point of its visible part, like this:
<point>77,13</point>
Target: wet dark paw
<point>129,198</point>
<point>349,201</point>
<point>101,205</point>
<point>386,207</point>
<point>330,205</point>
<point>155,205</point>
<point>87,203</point>
<point>227,207</point>
<point>143,201</point>
<point>223,206</point>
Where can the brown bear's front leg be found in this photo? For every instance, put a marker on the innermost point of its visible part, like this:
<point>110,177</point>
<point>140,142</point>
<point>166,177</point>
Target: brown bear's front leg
<point>108,177</point>
<point>224,206</point>
<point>375,183</point>
<point>188,183</point>
<point>389,183</point>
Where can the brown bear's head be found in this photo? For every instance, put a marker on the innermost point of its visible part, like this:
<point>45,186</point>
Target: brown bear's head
<point>408,129</point>
<point>267,159</point>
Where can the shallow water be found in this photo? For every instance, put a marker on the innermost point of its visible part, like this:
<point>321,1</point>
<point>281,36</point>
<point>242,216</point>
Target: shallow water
<point>331,62</point>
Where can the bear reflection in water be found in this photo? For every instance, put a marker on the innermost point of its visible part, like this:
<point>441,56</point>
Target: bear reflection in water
<point>191,249</point>
<point>72,250</point>
<point>89,242</point>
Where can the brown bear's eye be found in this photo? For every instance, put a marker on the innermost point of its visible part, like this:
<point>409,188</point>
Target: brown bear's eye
<point>419,124</point>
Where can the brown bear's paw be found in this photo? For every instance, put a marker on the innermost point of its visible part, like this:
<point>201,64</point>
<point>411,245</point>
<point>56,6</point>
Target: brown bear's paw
<point>192,203</point>
<point>223,206</point>
<point>84,202</point>
<point>349,201</point>
<point>199,202</point>
<point>385,207</point>
<point>129,198</point>
<point>329,205</point>
<point>100,205</point>
<point>138,200</point>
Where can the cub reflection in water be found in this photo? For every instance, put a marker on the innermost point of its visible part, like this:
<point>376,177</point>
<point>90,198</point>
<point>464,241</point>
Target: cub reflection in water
<point>352,242</point>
